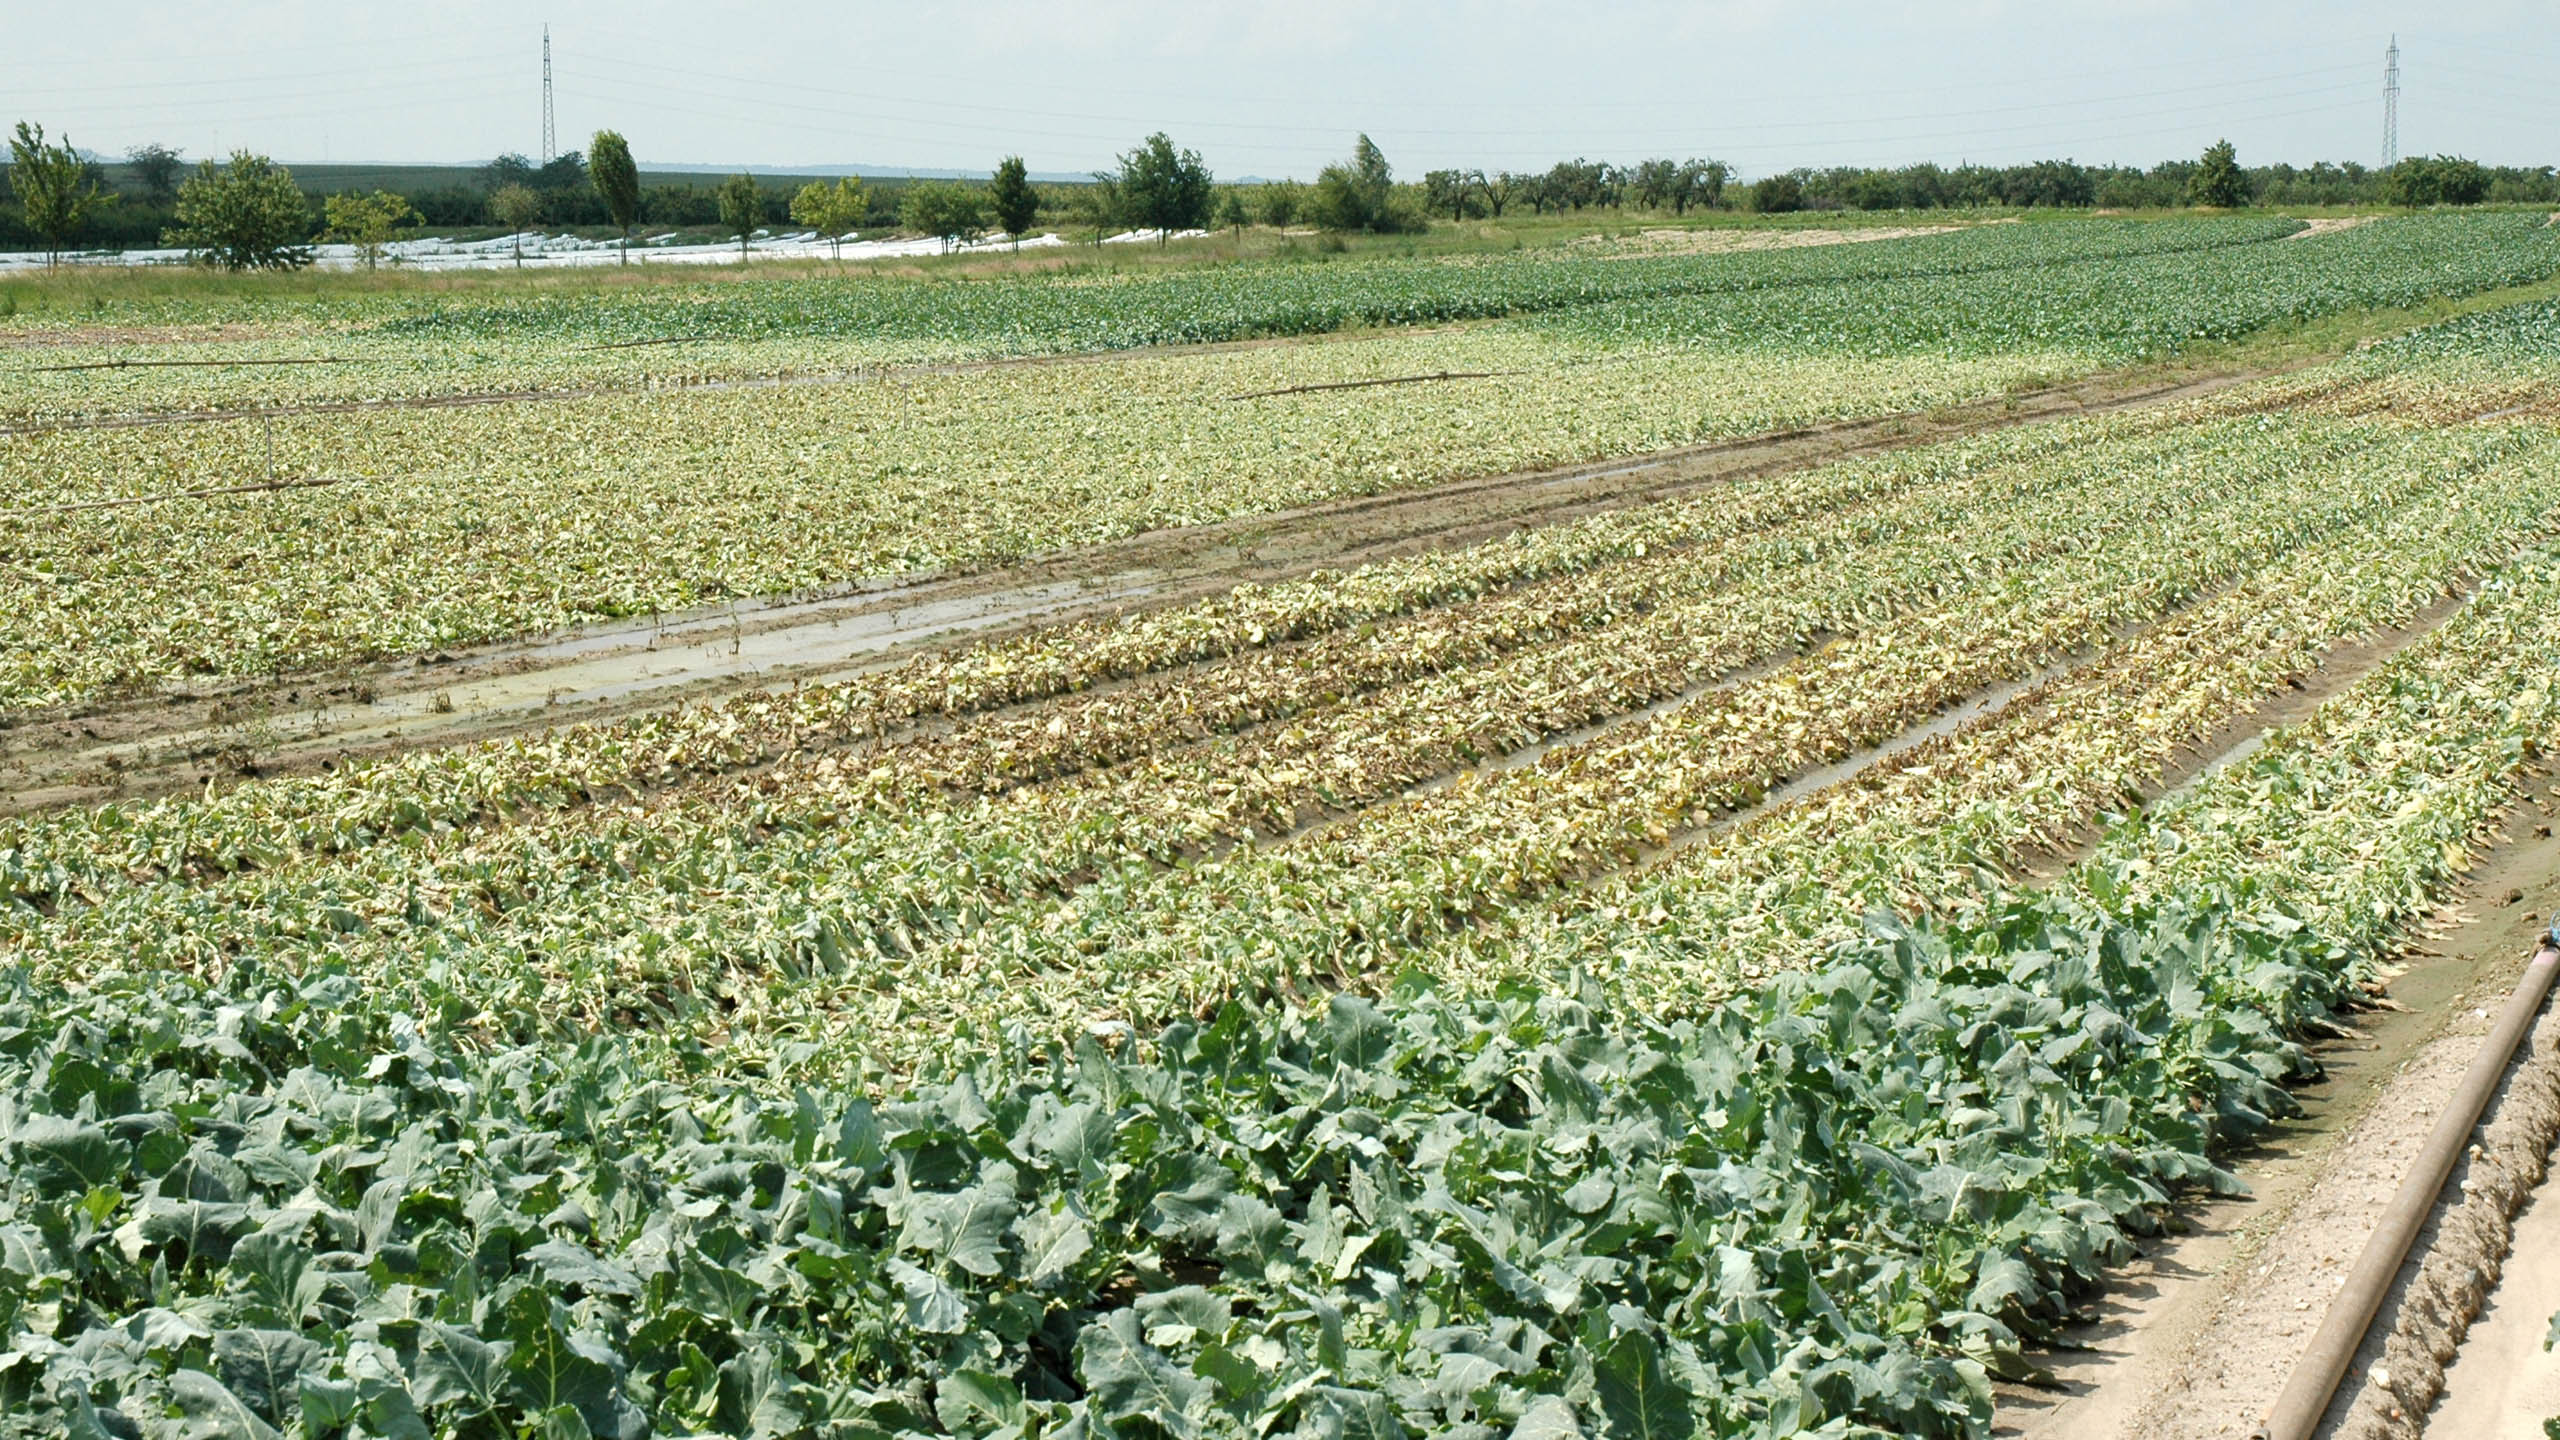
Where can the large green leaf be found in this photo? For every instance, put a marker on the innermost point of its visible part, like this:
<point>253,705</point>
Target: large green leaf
<point>1640,1401</point>
<point>456,1367</point>
<point>1132,1380</point>
<point>213,1412</point>
<point>265,1367</point>
<point>66,1157</point>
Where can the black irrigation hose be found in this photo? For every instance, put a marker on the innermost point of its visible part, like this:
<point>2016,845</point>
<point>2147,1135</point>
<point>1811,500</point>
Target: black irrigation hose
<point>175,364</point>
<point>1365,384</point>
<point>637,344</point>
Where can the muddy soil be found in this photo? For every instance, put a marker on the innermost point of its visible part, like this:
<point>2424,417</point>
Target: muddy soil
<point>187,739</point>
<point>2193,1340</point>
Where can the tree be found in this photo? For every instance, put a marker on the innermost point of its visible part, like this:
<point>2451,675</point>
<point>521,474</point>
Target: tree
<point>2442,180</point>
<point>247,216</point>
<point>516,206</point>
<point>1097,205</point>
<point>1654,184</point>
<point>1281,201</point>
<point>1699,183</point>
<point>2218,182</point>
<point>950,213</point>
<point>1162,189</point>
<point>54,187</point>
<point>563,172</point>
<point>1360,195</point>
<point>1011,198</point>
<point>1451,190</point>
<point>1232,214</point>
<point>155,168</point>
<point>368,222</point>
<point>617,182</point>
<point>741,208</point>
<point>831,210</point>
<point>506,170</point>
<point>1778,194</point>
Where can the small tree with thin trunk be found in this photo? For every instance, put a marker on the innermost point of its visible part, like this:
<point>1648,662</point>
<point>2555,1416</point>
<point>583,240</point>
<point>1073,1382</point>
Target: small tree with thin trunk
<point>53,186</point>
<point>950,213</point>
<point>617,182</point>
<point>517,207</point>
<point>1097,205</point>
<point>368,222</point>
<point>1164,189</point>
<point>831,210</point>
<point>1012,199</point>
<point>741,208</point>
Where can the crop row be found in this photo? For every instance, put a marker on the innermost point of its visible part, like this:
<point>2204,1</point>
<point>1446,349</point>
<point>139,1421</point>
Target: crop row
<point>2031,509</point>
<point>1358,902</point>
<point>503,521</point>
<point>699,915</point>
<point>2114,310</point>
<point>1311,637</point>
<point>1832,1205</point>
<point>1918,832</point>
<point>813,325</point>
<point>472,525</point>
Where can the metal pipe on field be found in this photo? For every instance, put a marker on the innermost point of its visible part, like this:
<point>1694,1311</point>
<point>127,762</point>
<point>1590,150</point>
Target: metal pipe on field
<point>2305,1400</point>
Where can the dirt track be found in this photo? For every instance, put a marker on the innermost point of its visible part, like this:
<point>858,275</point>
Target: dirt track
<point>183,740</point>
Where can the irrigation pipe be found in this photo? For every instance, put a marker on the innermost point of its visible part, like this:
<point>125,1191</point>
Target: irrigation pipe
<point>2305,1400</point>
<point>1366,384</point>
<point>183,364</point>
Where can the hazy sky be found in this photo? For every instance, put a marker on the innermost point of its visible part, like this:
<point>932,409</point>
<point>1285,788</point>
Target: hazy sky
<point>1279,88</point>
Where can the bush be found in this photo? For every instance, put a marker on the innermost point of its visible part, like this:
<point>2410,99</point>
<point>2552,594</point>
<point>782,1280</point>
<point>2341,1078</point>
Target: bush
<point>2439,180</point>
<point>250,216</point>
<point>1360,195</point>
<point>1777,195</point>
<point>2218,183</point>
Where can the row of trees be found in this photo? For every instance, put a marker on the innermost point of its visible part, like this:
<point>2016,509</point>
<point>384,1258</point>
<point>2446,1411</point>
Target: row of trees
<point>1677,186</point>
<point>2416,181</point>
<point>251,211</point>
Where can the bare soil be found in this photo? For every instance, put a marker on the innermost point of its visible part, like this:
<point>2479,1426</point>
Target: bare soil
<point>188,738</point>
<point>1727,241</point>
<point>2329,225</point>
<point>2506,1382</point>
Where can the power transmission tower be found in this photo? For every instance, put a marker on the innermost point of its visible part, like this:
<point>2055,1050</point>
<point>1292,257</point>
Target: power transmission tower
<point>2392,103</point>
<point>551,144</point>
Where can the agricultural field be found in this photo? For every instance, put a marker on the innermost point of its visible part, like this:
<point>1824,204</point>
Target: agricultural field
<point>1741,962</point>
<point>432,526</point>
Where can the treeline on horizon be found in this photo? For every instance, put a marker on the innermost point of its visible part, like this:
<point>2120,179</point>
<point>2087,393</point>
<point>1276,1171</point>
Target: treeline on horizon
<point>145,188</point>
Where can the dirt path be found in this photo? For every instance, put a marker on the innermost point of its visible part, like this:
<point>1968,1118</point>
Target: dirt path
<point>2329,225</point>
<point>2504,1382</point>
<point>2193,1340</point>
<point>183,740</point>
